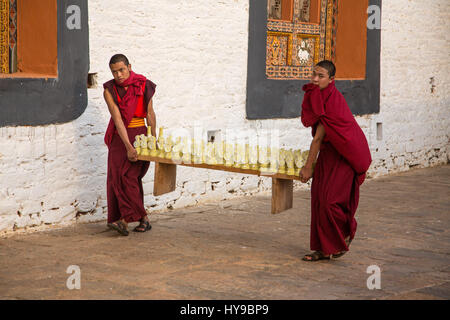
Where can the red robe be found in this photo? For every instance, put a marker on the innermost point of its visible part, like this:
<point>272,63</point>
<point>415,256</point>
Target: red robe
<point>341,167</point>
<point>125,193</point>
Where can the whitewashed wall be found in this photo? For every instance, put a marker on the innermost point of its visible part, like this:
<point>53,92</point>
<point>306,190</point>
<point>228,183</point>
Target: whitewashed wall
<point>196,52</point>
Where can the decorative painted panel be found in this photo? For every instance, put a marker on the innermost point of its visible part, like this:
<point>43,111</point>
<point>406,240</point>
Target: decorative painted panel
<point>279,46</point>
<point>310,42</point>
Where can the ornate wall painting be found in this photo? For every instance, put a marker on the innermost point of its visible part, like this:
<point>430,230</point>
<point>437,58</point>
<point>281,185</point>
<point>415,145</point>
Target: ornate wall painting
<point>311,42</point>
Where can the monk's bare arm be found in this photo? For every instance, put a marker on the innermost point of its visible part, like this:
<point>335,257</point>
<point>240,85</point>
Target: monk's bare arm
<point>307,170</point>
<point>122,131</point>
<point>151,117</point>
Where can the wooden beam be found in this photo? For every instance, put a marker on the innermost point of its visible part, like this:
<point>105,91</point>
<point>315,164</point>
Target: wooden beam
<point>282,194</point>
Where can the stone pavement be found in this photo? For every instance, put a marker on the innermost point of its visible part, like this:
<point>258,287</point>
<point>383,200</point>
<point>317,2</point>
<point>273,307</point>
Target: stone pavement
<point>236,249</point>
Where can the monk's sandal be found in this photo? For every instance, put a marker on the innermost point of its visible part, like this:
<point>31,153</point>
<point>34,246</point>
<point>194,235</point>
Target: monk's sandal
<point>119,226</point>
<point>143,226</point>
<point>316,256</point>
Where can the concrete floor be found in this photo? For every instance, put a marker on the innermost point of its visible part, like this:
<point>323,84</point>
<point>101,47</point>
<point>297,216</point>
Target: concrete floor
<point>236,249</point>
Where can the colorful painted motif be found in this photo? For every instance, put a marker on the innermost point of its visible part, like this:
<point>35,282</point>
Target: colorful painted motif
<point>279,46</point>
<point>307,50</point>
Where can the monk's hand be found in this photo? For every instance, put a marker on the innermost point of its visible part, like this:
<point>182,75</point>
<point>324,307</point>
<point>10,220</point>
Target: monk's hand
<point>132,154</point>
<point>305,174</point>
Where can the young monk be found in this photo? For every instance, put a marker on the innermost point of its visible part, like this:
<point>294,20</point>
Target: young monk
<point>344,158</point>
<point>129,99</point>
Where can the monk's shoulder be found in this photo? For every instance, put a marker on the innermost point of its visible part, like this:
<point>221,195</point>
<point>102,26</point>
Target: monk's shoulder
<point>149,84</point>
<point>150,88</point>
<point>109,85</point>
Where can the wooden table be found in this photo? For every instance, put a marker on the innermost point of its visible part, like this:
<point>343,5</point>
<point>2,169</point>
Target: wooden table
<point>166,173</point>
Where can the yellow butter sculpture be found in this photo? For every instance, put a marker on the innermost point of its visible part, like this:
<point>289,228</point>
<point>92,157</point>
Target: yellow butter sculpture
<point>198,151</point>
<point>229,154</point>
<point>160,143</point>
<point>137,145</point>
<point>253,157</point>
<point>290,162</point>
<point>263,159</point>
<point>219,152</point>
<point>144,145</point>
<point>186,150</point>
<point>282,161</point>
<point>239,155</point>
<point>210,154</point>
<point>168,147</point>
<point>176,149</point>
<point>274,159</point>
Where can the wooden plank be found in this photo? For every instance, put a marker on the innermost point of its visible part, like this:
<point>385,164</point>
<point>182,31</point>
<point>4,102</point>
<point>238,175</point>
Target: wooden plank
<point>165,178</point>
<point>282,194</point>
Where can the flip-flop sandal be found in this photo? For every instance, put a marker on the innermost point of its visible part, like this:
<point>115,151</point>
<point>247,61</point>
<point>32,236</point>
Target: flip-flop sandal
<point>119,226</point>
<point>315,256</point>
<point>142,227</point>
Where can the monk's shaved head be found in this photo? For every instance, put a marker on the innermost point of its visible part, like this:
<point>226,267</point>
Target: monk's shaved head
<point>329,66</point>
<point>119,58</point>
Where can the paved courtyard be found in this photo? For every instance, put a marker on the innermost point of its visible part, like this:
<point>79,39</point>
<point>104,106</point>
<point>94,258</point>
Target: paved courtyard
<point>236,249</point>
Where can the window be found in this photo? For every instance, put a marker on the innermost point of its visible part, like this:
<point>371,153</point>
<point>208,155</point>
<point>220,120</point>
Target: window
<point>288,37</point>
<point>28,38</point>
<point>8,36</point>
<point>46,83</point>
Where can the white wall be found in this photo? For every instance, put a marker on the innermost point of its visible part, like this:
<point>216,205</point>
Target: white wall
<point>196,52</point>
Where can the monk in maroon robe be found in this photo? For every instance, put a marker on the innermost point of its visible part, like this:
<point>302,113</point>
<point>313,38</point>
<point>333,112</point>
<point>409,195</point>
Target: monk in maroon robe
<point>344,157</point>
<point>129,99</point>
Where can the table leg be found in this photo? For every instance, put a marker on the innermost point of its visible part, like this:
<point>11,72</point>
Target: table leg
<point>282,194</point>
<point>165,178</point>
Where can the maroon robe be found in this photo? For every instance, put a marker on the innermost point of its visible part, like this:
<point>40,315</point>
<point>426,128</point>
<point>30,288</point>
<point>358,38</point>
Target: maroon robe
<point>124,178</point>
<point>341,167</point>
